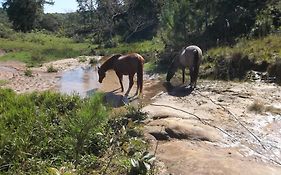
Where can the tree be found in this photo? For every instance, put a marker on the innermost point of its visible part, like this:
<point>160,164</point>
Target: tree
<point>5,25</point>
<point>24,13</point>
<point>206,23</point>
<point>130,19</point>
<point>138,19</point>
<point>86,9</point>
<point>183,21</point>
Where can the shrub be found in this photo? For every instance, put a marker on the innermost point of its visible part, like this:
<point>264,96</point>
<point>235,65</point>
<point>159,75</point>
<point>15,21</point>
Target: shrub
<point>235,66</point>
<point>28,72</point>
<point>274,70</point>
<point>51,68</point>
<point>47,131</point>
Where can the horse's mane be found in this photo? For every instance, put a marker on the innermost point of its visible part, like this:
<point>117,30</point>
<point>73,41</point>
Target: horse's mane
<point>110,62</point>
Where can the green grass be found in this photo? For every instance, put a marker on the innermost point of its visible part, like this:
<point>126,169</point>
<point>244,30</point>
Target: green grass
<point>263,49</point>
<point>141,47</point>
<point>36,48</point>
<point>47,131</point>
<point>39,47</point>
<point>3,82</point>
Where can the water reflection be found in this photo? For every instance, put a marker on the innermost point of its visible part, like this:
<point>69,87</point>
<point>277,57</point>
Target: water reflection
<point>82,81</point>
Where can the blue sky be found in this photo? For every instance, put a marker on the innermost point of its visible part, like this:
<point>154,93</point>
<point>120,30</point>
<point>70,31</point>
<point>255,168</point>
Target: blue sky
<point>60,6</point>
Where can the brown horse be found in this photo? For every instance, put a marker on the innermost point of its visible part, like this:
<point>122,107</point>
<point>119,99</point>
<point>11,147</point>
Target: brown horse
<point>125,65</point>
<point>190,57</point>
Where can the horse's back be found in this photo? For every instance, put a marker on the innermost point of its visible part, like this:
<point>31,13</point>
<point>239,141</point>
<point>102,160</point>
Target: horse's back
<point>129,63</point>
<point>187,56</point>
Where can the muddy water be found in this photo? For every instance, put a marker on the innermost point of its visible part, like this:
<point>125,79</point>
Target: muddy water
<point>84,82</point>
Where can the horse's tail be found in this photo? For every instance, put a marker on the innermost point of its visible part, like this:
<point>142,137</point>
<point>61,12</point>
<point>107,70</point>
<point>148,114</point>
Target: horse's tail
<point>195,67</point>
<point>196,58</point>
<point>140,73</point>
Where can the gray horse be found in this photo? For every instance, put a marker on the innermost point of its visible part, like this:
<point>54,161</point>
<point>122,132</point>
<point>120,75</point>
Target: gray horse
<point>190,57</point>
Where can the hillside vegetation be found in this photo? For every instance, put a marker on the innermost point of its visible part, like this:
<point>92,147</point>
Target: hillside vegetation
<point>35,48</point>
<point>262,54</point>
<point>261,49</point>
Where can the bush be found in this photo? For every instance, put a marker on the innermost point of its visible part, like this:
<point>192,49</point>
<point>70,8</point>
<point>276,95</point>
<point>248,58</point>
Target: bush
<point>28,72</point>
<point>42,132</point>
<point>51,69</point>
<point>274,70</point>
<point>48,129</point>
<point>233,67</point>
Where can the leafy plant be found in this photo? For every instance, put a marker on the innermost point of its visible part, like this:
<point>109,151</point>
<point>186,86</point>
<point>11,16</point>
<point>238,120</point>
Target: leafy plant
<point>143,164</point>
<point>93,61</point>
<point>82,59</point>
<point>61,171</point>
<point>28,72</point>
<point>51,68</point>
<point>40,130</point>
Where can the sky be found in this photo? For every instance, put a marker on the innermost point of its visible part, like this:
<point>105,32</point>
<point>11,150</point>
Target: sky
<point>60,6</point>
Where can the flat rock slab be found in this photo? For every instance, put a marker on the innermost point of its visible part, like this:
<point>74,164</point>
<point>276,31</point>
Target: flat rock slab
<point>182,158</point>
<point>212,131</point>
<point>182,129</point>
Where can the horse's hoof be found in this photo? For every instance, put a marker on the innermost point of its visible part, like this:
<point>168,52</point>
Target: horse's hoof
<point>125,100</point>
<point>190,86</point>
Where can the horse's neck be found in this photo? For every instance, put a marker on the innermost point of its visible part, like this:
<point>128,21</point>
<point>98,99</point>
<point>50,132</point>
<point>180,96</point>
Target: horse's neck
<point>176,62</point>
<point>109,64</point>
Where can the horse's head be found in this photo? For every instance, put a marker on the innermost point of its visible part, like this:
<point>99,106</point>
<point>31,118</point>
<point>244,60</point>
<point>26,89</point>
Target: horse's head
<point>101,73</point>
<point>171,72</point>
<point>170,75</point>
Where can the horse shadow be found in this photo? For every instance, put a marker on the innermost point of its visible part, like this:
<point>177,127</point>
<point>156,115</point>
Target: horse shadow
<point>116,100</point>
<point>178,91</point>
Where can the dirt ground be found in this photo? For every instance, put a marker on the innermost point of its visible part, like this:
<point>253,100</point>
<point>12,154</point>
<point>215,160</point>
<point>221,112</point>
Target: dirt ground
<point>210,130</point>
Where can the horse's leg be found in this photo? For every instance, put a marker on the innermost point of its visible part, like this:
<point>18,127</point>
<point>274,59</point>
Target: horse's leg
<point>138,87</point>
<point>120,77</point>
<point>196,72</point>
<point>193,76</point>
<point>183,75</point>
<point>131,83</point>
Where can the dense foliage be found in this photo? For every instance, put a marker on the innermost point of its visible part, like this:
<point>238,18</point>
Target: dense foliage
<point>179,23</point>
<point>24,13</point>
<point>211,23</point>
<point>40,132</point>
<point>228,63</point>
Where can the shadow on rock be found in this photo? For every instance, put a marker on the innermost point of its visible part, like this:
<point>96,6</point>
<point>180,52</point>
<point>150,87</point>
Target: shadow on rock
<point>116,100</point>
<point>178,91</point>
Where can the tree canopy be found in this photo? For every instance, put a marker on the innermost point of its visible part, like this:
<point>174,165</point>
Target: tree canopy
<point>178,22</point>
<point>24,13</point>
